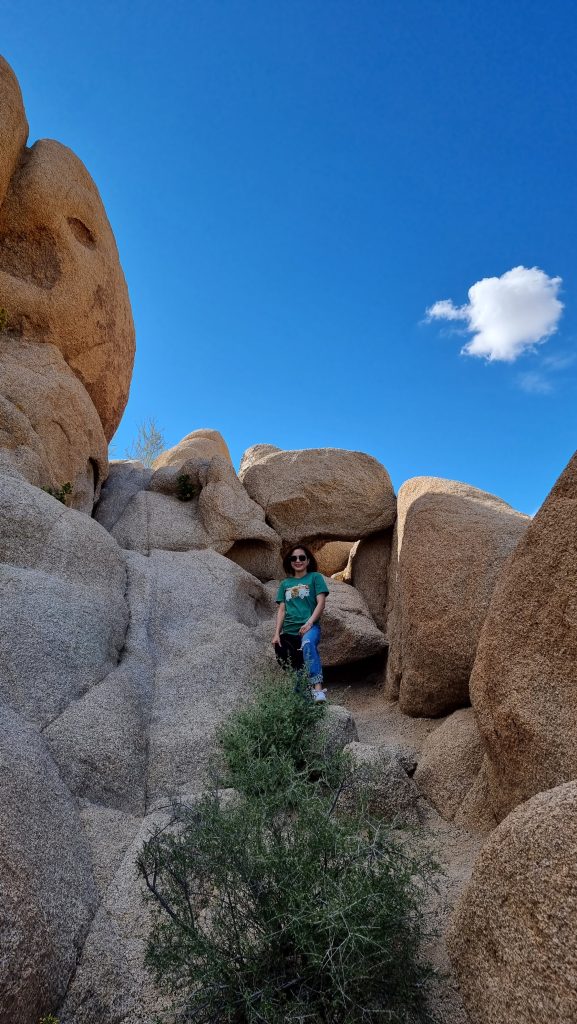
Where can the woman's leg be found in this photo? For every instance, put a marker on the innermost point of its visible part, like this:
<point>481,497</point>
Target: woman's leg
<point>288,652</point>
<point>311,655</point>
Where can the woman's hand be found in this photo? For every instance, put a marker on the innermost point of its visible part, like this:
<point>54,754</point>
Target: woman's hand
<point>304,629</point>
<point>275,640</point>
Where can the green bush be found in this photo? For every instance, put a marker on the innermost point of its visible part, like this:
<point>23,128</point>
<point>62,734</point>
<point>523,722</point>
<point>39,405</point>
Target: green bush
<point>49,1019</point>
<point>186,490</point>
<point>274,741</point>
<point>290,915</point>
<point>279,908</point>
<point>60,493</point>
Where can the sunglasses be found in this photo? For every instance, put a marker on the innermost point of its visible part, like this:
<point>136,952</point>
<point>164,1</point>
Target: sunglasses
<point>299,558</point>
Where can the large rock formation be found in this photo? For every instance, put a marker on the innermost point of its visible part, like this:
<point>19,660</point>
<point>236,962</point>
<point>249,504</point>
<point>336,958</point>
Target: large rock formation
<point>448,771</point>
<point>255,453</point>
<point>65,312</point>
<point>523,684</point>
<point>147,510</point>
<point>13,125</point>
<point>199,444</point>
<point>451,543</point>
<point>49,428</point>
<point>47,891</point>
<point>512,940</point>
<point>367,570</point>
<point>64,613</point>
<point>332,556</point>
<point>321,493</point>
<point>127,664</point>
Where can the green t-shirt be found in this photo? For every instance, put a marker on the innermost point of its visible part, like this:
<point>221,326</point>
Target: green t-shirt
<point>300,599</point>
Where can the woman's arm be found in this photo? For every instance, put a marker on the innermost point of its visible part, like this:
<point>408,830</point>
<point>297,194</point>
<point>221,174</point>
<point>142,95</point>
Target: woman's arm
<point>279,622</point>
<point>320,607</point>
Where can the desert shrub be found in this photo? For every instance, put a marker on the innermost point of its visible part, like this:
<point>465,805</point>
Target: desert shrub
<point>49,1019</point>
<point>186,490</point>
<point>286,915</point>
<point>60,493</point>
<point>148,443</point>
<point>274,741</point>
<point>278,908</point>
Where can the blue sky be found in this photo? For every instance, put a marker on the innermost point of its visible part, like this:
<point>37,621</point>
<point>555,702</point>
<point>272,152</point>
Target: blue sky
<point>293,184</point>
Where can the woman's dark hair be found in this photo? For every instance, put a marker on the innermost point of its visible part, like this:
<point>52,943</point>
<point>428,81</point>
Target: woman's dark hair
<point>288,565</point>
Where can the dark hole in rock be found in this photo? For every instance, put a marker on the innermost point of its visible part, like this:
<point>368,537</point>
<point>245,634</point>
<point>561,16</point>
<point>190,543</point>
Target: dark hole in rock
<point>367,670</point>
<point>82,233</point>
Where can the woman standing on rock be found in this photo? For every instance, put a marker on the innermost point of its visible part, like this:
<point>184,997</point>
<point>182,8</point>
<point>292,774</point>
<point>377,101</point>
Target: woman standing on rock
<point>301,602</point>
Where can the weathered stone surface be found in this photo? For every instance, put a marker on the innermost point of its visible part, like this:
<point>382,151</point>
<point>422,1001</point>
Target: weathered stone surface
<point>512,940</point>
<point>450,762</point>
<point>387,788</point>
<point>13,125</point>
<point>126,477</point>
<point>47,891</point>
<point>220,516</point>
<point>109,833</point>
<point>475,812</point>
<point>111,984</point>
<point>202,628</point>
<point>254,454</point>
<point>348,631</point>
<point>99,741</point>
<point>60,277</point>
<point>50,431</point>
<point>200,444</point>
<point>64,614</point>
<point>66,337</point>
<point>393,617</point>
<point>523,684</point>
<point>452,541</point>
<point>367,570</point>
<point>322,494</point>
<point>332,556</point>
<point>338,728</point>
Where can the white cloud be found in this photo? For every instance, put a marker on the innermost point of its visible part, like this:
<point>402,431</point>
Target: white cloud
<point>506,315</point>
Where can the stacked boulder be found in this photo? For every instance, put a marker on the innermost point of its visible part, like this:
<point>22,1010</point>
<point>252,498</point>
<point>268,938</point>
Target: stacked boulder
<point>451,541</point>
<point>512,939</point>
<point>66,331</point>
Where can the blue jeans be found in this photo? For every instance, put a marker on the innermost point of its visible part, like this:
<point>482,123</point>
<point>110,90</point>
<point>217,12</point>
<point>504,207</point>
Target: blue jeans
<point>311,655</point>
<point>299,652</point>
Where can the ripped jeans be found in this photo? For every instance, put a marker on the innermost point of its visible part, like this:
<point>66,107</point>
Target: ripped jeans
<point>302,651</point>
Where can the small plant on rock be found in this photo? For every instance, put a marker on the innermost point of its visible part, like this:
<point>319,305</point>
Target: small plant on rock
<point>186,490</point>
<point>62,493</point>
<point>49,1019</point>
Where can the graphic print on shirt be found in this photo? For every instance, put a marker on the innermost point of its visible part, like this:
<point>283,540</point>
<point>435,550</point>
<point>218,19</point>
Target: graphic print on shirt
<point>301,590</point>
